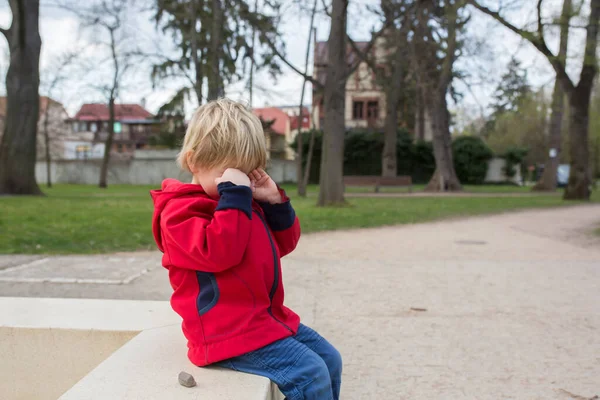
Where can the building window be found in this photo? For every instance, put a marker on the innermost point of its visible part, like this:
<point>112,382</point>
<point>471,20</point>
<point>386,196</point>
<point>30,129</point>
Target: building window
<point>117,127</point>
<point>372,110</point>
<point>358,110</point>
<point>75,126</point>
<point>94,127</point>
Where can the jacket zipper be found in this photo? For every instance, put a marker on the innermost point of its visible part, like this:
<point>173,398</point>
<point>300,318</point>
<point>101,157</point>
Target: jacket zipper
<point>275,274</point>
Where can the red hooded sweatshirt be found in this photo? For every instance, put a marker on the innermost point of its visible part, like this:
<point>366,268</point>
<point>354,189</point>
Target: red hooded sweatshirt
<point>223,258</point>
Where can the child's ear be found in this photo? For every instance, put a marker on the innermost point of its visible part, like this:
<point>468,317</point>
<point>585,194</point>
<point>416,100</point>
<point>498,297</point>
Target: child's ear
<point>190,163</point>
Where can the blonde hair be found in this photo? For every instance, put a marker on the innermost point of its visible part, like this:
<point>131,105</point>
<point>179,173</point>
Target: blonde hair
<point>224,133</point>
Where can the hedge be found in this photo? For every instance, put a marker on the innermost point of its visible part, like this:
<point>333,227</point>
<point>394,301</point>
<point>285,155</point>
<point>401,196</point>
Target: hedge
<point>362,156</point>
<point>471,156</point>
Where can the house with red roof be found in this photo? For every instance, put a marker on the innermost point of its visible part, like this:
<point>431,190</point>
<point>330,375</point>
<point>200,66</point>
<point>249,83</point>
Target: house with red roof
<point>133,127</point>
<point>365,99</point>
<point>282,127</point>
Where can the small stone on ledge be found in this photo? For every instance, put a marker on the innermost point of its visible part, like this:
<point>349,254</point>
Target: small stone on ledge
<point>186,379</point>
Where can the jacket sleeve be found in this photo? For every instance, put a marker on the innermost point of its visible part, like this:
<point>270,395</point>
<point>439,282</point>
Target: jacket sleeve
<point>284,223</point>
<point>210,244</point>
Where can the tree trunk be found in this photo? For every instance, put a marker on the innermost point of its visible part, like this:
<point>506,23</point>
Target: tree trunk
<point>393,94</point>
<point>390,132</point>
<point>300,145</point>
<point>18,145</point>
<point>420,116</point>
<point>215,82</point>
<point>111,111</point>
<point>548,180</point>
<point>444,178</point>
<point>596,161</point>
<point>434,102</point>
<point>579,187</point>
<point>47,142</point>
<point>309,155</point>
<point>331,191</point>
<point>253,61</point>
<point>108,144</point>
<point>300,148</point>
<point>196,58</point>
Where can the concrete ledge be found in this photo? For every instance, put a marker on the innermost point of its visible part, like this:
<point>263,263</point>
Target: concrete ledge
<point>147,368</point>
<point>106,349</point>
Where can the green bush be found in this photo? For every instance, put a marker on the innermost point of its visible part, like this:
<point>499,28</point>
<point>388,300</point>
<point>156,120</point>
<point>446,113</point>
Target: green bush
<point>513,157</point>
<point>422,162</point>
<point>362,155</point>
<point>316,157</point>
<point>471,156</point>
<point>165,140</point>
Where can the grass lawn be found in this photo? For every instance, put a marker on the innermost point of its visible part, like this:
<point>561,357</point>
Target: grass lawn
<point>85,219</point>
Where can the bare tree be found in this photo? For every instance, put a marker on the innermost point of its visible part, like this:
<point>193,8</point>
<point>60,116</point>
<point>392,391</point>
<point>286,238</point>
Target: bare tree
<point>18,145</point>
<point>579,186</point>
<point>548,180</point>
<point>434,51</point>
<point>436,75</point>
<point>56,77</point>
<point>110,18</point>
<point>393,78</point>
<point>300,147</point>
<point>331,182</point>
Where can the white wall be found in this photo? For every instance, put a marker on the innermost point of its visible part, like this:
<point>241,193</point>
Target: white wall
<point>70,150</point>
<point>148,167</point>
<point>495,172</point>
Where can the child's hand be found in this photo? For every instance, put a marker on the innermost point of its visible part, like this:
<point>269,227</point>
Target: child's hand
<point>234,176</point>
<point>263,187</point>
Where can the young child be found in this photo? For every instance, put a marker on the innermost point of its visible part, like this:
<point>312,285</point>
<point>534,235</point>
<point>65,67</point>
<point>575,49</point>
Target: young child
<point>222,237</point>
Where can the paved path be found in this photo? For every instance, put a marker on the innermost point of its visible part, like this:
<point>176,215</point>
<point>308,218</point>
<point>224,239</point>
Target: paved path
<point>500,307</point>
<point>449,194</point>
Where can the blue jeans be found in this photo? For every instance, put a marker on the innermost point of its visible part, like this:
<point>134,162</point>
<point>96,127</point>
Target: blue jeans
<point>304,366</point>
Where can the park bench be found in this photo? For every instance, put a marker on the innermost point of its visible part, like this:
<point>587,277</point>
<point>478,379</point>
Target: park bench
<point>378,181</point>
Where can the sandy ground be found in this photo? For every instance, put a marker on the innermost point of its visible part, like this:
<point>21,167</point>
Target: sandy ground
<point>498,307</point>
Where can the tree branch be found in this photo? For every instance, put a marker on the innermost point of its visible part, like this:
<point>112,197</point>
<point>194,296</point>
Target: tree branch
<point>309,78</point>
<point>5,32</point>
<point>326,9</point>
<point>277,53</point>
<point>363,56</point>
<point>448,63</point>
<point>539,20</point>
<point>538,43</point>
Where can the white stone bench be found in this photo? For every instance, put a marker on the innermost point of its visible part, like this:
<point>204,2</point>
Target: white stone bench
<point>80,349</point>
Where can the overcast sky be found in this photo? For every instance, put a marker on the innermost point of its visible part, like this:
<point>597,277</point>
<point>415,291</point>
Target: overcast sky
<point>61,32</point>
